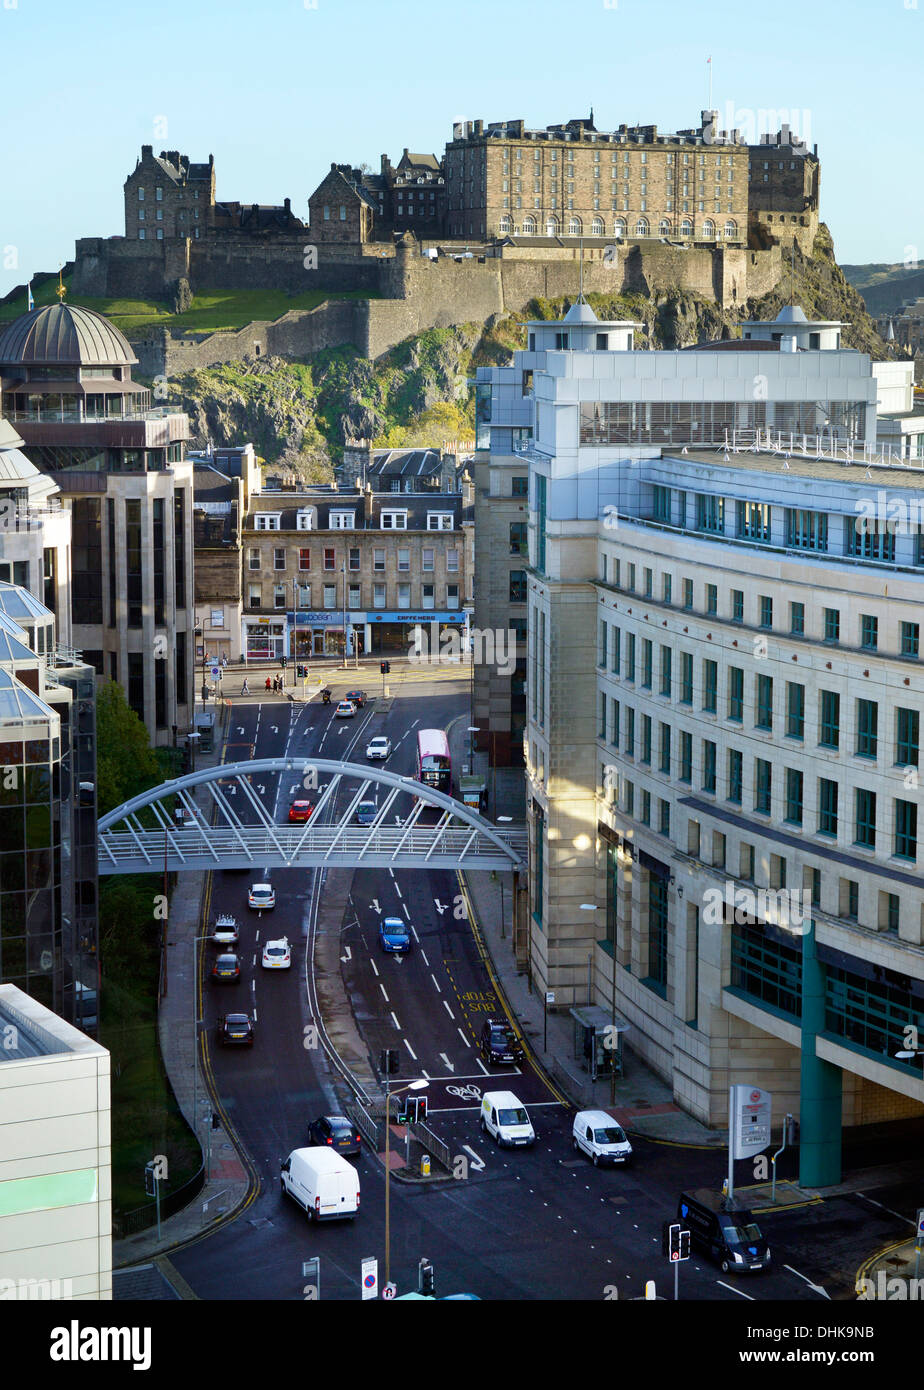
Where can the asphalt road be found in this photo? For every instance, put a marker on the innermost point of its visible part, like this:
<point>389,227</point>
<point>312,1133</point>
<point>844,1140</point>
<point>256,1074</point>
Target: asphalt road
<point>523,1224</point>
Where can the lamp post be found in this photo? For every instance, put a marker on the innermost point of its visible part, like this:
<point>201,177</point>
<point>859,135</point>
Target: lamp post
<point>195,998</point>
<point>413,1086</point>
<point>472,731</point>
<point>503,820</point>
<point>191,739</point>
<point>343,573</point>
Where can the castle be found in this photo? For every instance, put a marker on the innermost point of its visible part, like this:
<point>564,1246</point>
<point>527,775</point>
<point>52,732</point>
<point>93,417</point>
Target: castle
<point>507,213</point>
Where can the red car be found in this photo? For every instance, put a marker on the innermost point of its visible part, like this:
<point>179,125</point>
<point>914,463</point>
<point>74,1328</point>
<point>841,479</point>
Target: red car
<point>300,810</point>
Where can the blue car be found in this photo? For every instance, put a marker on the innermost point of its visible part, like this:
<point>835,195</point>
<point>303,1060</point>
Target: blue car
<point>394,935</point>
<point>365,813</point>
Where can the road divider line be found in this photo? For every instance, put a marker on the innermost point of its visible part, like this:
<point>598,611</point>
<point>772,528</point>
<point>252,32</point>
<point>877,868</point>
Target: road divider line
<point>374,967</point>
<point>462,1036</point>
<point>409,1048</point>
<point>433,978</point>
<point>382,988</point>
<point>482,1066</point>
<point>395,1021</point>
<point>398,890</point>
<point>423,957</point>
<point>449,1011</point>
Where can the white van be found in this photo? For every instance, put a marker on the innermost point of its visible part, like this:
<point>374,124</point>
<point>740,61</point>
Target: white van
<point>599,1136</point>
<point>321,1182</point>
<point>504,1117</point>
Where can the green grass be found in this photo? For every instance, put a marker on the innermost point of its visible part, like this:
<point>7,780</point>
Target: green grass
<point>210,312</point>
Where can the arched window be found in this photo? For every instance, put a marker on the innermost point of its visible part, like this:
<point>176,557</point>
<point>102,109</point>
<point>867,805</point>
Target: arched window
<point>641,227</point>
<point>664,227</point>
<point>574,226</point>
<point>619,227</point>
<point>686,227</point>
<point>529,226</point>
<point>596,227</point>
<point>551,226</point>
<point>708,229</point>
<point>504,226</point>
<point>731,229</point>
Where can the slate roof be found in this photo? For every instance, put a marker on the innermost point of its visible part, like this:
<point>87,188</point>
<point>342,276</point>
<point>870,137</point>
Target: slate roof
<point>417,505</point>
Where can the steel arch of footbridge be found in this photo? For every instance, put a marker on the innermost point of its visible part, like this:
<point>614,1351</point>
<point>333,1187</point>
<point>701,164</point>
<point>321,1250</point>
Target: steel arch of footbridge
<point>330,839</point>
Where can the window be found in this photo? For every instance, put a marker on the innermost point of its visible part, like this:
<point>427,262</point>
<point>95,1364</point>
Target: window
<point>266,521</point>
<point>746,869</point>
<point>797,619</point>
<point>849,899</point>
<point>303,595</point>
<point>645,813</point>
<point>763,774</point>
<point>766,611</point>
<point>404,560</point>
<point>520,487</point>
<point>666,671</point>
<point>867,728</point>
<point>279,558</point>
<point>452,561</point>
<point>907,723</point>
<point>602,644</point>
<point>253,557</point>
<point>764,714</point>
<point>806,530</point>
<point>393,521</point>
<point>426,560</point>
<point>688,593</point>
<point>646,663</point>
<point>630,731</point>
<point>910,639</point>
<point>140,195</point>
<point>279,595</point>
<point>827,807</point>
<point>906,830</point>
<point>329,559</point>
<point>710,686</point>
<point>378,596</point>
<point>664,818</point>
<point>869,632</point>
<point>342,521</point>
<point>353,596</point>
<point>710,513</point>
<point>330,596</point>
<point>304,559</point>
<point>686,678</point>
<point>754,521</point>
<point>712,600</point>
<point>829,735</point>
<point>865,818</point>
<point>832,625</point>
<point>793,809</point>
<point>452,602</point>
<point>354,557</point>
<point>517,590</point>
<point>404,595</point>
<point>686,757</point>
<point>614,723</point>
<point>735,776</point>
<point>439,521</point>
<point>254,596</point>
<point>666,588</point>
<point>871,540</point>
<point>795,710</point>
<point>735,694</point>
<point>630,656</point>
<point>661,504</point>
<point>709,754</point>
<point>646,738</point>
<point>737,605</point>
<point>304,520</point>
<point>615,657</point>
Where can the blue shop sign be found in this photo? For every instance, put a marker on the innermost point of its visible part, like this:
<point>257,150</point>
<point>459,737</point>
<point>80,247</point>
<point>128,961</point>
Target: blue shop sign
<point>307,618</point>
<point>403,616</point>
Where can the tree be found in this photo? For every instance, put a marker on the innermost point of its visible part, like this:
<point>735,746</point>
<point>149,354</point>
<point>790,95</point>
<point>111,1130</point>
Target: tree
<point>125,762</point>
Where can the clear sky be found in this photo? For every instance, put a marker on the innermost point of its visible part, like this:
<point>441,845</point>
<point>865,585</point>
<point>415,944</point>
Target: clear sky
<point>278,89</point>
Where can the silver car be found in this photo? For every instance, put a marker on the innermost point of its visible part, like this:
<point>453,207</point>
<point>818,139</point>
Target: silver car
<point>379,747</point>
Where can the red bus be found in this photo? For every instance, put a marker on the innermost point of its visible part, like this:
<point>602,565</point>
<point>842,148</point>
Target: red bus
<point>434,765</point>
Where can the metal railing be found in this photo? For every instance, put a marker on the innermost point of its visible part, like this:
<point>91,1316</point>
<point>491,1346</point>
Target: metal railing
<point>131,1222</point>
<point>433,1144</point>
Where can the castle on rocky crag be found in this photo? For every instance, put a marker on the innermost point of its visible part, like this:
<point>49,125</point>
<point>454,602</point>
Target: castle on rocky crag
<point>507,213</point>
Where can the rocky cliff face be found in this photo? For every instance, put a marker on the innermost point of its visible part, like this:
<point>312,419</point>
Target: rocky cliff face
<point>299,413</point>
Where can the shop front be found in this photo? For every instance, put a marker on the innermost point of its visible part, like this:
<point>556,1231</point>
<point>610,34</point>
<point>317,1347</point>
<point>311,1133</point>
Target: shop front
<point>320,633</point>
<point>397,631</point>
<point>263,639</point>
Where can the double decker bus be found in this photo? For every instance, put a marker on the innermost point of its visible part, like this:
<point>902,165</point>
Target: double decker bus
<point>434,766</point>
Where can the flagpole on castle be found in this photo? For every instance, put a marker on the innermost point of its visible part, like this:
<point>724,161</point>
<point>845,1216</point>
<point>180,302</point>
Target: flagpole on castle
<point>709,66</point>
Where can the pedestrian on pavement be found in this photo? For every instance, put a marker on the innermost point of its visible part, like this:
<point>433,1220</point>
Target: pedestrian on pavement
<point>275,685</point>
<point>268,684</point>
<point>245,688</point>
<point>224,662</point>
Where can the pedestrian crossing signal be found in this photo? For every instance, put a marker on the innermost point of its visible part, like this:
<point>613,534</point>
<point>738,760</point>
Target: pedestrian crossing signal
<point>385,667</point>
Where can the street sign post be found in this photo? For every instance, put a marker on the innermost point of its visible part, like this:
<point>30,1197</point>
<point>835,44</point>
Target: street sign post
<point>370,1280</point>
<point>549,999</point>
<point>749,1126</point>
<point>389,1290</point>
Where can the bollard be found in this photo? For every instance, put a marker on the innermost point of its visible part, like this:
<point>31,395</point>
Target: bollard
<point>424,1165</point>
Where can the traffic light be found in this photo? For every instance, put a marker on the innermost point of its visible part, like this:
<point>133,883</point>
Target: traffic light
<point>421,1109</point>
<point>301,671</point>
<point>385,667</point>
<point>684,1245</point>
<point>426,1282</point>
<point>389,1061</point>
<point>675,1241</point>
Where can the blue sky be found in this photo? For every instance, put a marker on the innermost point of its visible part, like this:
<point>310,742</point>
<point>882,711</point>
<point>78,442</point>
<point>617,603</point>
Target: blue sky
<point>277,89</point>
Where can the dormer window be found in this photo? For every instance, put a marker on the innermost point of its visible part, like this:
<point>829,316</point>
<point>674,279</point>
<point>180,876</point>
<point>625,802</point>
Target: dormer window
<point>439,521</point>
<point>267,521</point>
<point>342,520</point>
<point>393,520</point>
<point>304,519</point>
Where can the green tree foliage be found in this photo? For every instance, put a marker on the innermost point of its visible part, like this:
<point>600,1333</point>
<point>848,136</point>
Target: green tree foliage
<point>125,762</point>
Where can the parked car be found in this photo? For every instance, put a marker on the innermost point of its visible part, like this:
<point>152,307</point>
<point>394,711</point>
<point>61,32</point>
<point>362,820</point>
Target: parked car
<point>730,1237</point>
<point>504,1117</point>
<point>227,969</point>
<point>597,1135</point>
<point>235,1030</point>
<point>365,813</point>
<point>261,897</point>
<point>322,1183</point>
<point>300,811</point>
<point>345,710</point>
<point>336,1132</point>
<point>225,931</point>
<point>379,747</point>
<point>394,935</point>
<point>498,1043</point>
<point>277,955</point>
<point>356,697</point>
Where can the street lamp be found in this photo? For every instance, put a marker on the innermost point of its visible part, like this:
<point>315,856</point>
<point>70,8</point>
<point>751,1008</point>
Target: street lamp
<point>413,1086</point>
<point>191,739</point>
<point>472,730</point>
<point>592,907</point>
<point>195,998</point>
<point>343,572</point>
<point>503,820</point>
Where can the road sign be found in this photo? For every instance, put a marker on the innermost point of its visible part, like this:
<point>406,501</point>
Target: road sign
<point>549,997</point>
<point>216,672</point>
<point>370,1268</point>
<point>750,1120</point>
<point>389,1290</point>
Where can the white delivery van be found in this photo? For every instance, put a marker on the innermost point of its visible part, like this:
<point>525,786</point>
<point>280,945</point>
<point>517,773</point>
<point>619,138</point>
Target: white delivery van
<point>599,1136</point>
<point>504,1117</point>
<point>322,1182</point>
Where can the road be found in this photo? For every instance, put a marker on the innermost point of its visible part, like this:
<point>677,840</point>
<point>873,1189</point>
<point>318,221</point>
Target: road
<point>523,1224</point>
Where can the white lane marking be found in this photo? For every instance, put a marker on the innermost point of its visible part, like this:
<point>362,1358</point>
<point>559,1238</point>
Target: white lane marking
<point>817,1287</point>
<point>414,934</point>
<point>348,953</point>
<point>398,891</point>
<point>462,1036</point>
<point>255,1014</point>
<point>749,1297</point>
<point>423,957</point>
<point>482,1066</point>
<point>433,978</point>
<point>409,1048</point>
<point>374,966</point>
<point>415,723</point>
<point>406,913</point>
<point>425,1074</point>
<point>458,1109</point>
<point>392,872</point>
<point>445,1059</point>
<point>896,1214</point>
<point>254,961</point>
<point>449,1011</point>
<point>382,988</point>
<point>395,1021</point>
<point>253,986</point>
<point>477,1163</point>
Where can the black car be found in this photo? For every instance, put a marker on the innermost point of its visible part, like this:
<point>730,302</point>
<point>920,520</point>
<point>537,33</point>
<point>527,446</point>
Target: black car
<point>356,697</point>
<point>499,1043</point>
<point>235,1030</point>
<point>227,969</point>
<point>336,1132</point>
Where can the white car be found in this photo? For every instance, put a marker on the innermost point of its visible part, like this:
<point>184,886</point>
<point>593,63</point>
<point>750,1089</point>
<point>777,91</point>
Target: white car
<point>378,747</point>
<point>277,955</point>
<point>345,710</point>
<point>261,896</point>
<point>225,931</point>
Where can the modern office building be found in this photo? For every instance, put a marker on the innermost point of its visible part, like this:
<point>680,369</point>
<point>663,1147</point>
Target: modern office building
<point>55,1163</point>
<point>35,531</point>
<point>66,383</point>
<point>723,697</point>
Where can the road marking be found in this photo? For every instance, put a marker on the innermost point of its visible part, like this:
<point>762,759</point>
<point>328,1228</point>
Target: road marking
<point>449,1011</point>
<point>414,934</point>
<point>392,872</point>
<point>409,1048</point>
<point>462,1036</point>
<point>398,890</point>
<point>817,1287</point>
<point>433,978</point>
<point>477,1164</point>
<point>382,988</point>
<point>896,1214</point>
<point>374,966</point>
<point>423,957</point>
<point>445,1059</point>
<point>425,1074</point>
<point>348,953</point>
<point>255,1014</point>
<point>406,913</point>
<point>482,1066</point>
<point>749,1297</point>
<point>396,1023</point>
